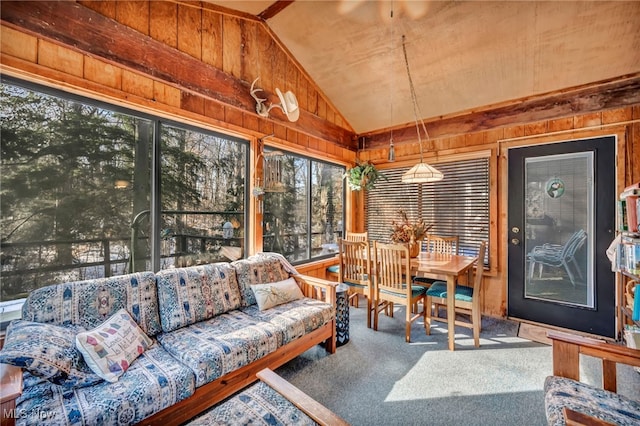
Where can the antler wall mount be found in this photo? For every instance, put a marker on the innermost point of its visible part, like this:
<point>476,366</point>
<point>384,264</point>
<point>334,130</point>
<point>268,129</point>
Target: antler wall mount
<point>288,103</point>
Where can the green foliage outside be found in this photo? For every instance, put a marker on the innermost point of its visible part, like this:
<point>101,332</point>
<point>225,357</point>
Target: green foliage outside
<point>61,163</point>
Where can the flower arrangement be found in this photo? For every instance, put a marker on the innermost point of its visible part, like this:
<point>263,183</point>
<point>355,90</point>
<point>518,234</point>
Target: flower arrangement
<point>403,231</point>
<point>363,176</point>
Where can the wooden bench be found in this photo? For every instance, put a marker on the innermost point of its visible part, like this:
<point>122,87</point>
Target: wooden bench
<point>272,396</point>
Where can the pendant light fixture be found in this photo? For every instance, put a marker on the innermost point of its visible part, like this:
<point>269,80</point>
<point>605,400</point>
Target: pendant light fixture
<point>421,172</point>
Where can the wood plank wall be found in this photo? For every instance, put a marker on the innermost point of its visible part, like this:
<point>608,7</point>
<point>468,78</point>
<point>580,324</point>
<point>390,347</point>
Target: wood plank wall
<point>184,55</point>
<point>224,53</point>
<point>622,122</point>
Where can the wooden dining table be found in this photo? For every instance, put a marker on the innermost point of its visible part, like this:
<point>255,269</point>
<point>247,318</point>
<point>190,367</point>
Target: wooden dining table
<point>447,267</point>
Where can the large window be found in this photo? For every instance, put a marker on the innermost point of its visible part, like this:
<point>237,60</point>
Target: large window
<point>72,175</point>
<point>457,205</point>
<point>304,218</point>
<point>89,190</point>
<point>203,197</point>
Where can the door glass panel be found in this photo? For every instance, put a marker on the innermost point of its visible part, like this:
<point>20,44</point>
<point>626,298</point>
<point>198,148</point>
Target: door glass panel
<point>558,228</point>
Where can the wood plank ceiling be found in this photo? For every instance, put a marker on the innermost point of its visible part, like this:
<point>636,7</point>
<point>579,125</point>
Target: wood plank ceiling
<point>464,56</point>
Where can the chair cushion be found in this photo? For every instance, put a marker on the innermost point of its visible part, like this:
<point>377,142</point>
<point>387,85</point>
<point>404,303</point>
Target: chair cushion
<point>424,281</point>
<point>154,381</point>
<point>47,351</point>
<point>334,269</point>
<point>560,392</point>
<point>219,345</point>
<point>349,283</point>
<point>416,290</point>
<point>439,289</point>
<point>196,293</point>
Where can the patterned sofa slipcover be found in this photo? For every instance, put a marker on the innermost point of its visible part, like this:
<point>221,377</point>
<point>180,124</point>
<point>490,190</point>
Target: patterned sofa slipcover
<point>204,320</point>
<point>219,330</point>
<point>561,392</point>
<point>568,400</point>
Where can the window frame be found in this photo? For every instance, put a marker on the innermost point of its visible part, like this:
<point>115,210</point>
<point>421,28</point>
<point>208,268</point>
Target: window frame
<point>157,120</point>
<point>156,199</point>
<point>309,207</point>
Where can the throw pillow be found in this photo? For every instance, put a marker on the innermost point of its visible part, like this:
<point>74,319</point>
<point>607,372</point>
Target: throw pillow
<point>47,351</point>
<point>110,348</point>
<point>274,294</point>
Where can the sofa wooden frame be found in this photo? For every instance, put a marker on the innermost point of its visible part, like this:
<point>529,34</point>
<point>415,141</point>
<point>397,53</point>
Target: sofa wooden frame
<point>312,408</point>
<point>213,392</point>
<point>566,363</point>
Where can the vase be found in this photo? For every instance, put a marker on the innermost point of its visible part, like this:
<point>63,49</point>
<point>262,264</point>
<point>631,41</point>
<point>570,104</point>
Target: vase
<point>414,247</point>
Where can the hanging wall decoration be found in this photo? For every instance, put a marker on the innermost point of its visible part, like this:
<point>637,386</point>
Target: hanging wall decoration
<point>555,187</point>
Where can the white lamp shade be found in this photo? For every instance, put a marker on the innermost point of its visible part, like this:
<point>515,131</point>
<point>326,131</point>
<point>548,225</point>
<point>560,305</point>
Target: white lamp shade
<point>422,173</point>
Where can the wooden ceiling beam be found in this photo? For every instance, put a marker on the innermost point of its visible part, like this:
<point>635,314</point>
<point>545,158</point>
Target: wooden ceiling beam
<point>82,29</point>
<point>274,9</point>
<point>617,93</point>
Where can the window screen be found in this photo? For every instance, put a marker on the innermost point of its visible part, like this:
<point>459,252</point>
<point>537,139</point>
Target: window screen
<point>457,205</point>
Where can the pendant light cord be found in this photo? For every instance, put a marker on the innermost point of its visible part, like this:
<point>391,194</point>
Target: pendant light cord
<point>392,155</point>
<point>416,107</point>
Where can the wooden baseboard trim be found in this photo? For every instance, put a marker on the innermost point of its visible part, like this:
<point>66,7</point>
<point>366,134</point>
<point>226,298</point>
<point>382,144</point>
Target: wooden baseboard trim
<point>538,332</point>
<point>535,333</point>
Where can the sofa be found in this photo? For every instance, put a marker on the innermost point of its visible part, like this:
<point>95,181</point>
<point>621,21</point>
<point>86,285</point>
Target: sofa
<point>569,401</point>
<point>194,336</point>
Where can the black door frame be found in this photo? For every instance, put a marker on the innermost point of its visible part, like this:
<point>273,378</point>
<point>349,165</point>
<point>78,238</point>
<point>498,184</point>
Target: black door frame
<point>601,320</point>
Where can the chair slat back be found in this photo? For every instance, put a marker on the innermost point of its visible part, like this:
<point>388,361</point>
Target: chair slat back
<point>357,236</point>
<point>354,262</point>
<point>438,244</point>
<point>393,267</point>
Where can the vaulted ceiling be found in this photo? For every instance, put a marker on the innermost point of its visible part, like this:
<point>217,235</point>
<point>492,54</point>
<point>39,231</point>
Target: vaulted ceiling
<point>463,55</point>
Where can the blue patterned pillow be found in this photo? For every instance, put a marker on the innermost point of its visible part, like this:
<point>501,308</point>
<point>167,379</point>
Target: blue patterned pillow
<point>47,351</point>
<point>89,303</point>
<point>196,293</point>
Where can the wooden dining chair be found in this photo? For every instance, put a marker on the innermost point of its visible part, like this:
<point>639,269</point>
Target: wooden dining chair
<point>467,300</point>
<point>441,244</point>
<point>392,284</point>
<point>357,236</point>
<point>355,271</point>
<point>437,244</point>
<point>334,270</point>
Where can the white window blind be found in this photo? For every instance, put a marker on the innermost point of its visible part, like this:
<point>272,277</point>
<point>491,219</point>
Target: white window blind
<point>457,205</point>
